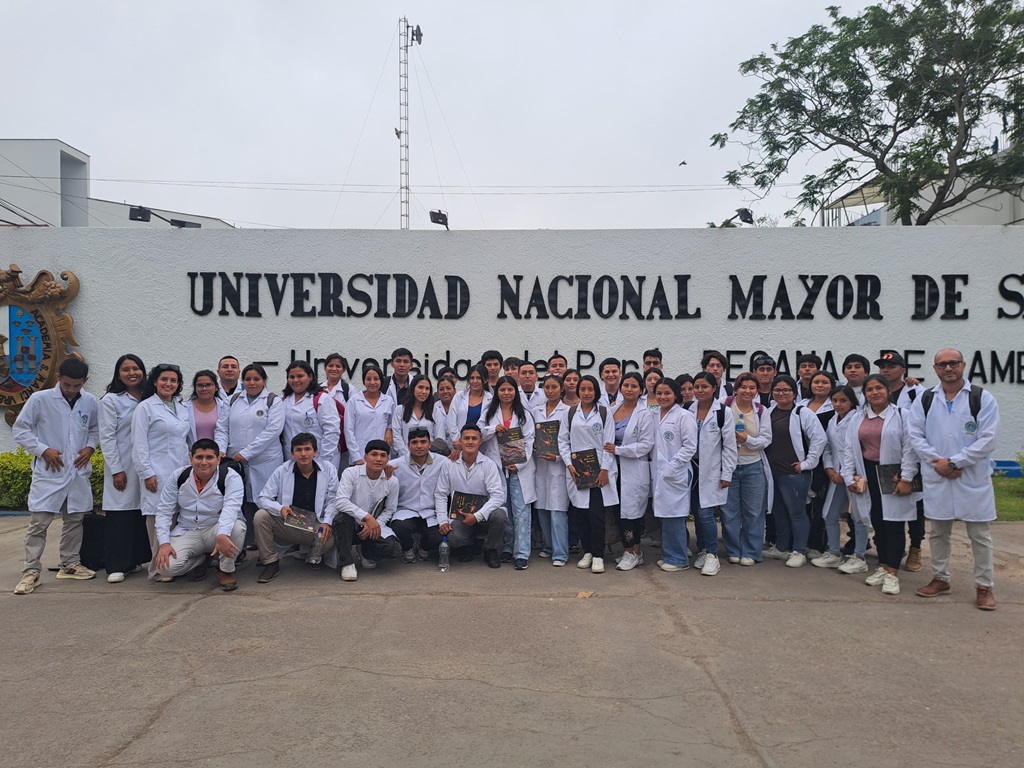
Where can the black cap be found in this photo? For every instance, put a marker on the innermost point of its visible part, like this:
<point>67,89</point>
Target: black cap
<point>891,358</point>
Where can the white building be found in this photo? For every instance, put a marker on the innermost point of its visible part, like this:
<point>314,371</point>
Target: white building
<point>45,182</point>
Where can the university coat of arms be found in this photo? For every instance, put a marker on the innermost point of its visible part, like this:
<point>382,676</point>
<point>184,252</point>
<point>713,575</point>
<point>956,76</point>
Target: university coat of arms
<point>36,334</point>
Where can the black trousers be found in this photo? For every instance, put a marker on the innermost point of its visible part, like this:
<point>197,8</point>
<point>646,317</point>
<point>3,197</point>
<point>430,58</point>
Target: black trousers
<point>125,540</point>
<point>916,527</point>
<point>890,536</point>
<point>405,530</point>
<point>591,524</point>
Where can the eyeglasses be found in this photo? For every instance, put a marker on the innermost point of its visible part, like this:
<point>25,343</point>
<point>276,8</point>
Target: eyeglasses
<point>205,386</point>
<point>786,391</point>
<point>949,364</point>
<point>167,367</point>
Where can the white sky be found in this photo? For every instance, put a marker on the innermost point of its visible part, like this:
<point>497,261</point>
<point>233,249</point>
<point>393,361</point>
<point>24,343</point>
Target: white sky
<point>538,96</point>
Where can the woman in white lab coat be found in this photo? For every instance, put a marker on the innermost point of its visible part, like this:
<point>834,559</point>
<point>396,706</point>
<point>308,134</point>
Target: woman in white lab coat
<point>368,416</point>
<point>651,379</point>
<point>308,408</point>
<point>714,464</point>
<point>675,443</point>
<point>634,441</point>
<point>159,440</point>
<point>417,412</point>
<point>470,404</point>
<point>552,503</point>
<point>125,539</point>
<point>207,411</point>
<point>334,368</point>
<point>589,427</point>
<point>506,412</point>
<point>442,410</point>
<point>879,435</point>
<point>255,423</point>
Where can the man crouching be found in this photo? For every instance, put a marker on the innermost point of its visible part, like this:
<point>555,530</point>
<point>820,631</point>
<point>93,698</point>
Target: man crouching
<point>199,516</point>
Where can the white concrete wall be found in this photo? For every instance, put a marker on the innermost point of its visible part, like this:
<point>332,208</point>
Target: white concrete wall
<point>136,295</point>
<point>31,178</point>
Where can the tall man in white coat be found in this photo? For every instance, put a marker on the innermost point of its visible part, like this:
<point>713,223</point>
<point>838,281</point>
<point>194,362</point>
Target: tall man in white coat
<point>59,428</point>
<point>953,429</point>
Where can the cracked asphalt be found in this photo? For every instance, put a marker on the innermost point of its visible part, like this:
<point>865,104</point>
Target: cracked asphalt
<point>762,666</point>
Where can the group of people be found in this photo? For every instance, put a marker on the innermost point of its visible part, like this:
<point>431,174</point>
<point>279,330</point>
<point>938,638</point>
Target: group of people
<point>566,463</point>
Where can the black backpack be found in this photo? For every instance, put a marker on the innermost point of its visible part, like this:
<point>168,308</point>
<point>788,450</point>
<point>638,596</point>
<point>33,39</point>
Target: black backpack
<point>973,400</point>
<point>222,475</point>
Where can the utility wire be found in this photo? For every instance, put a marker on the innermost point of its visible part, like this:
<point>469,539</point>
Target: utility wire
<point>83,210</point>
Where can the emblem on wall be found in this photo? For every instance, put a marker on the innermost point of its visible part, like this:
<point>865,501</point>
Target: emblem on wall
<point>36,334</point>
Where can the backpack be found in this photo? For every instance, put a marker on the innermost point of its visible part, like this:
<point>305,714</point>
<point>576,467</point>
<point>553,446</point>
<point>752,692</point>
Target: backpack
<point>973,400</point>
<point>342,443</point>
<point>222,475</point>
<point>600,409</point>
<point>271,396</point>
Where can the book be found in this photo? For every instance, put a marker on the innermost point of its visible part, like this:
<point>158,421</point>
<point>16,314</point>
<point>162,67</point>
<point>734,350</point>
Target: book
<point>463,503</point>
<point>378,507</point>
<point>546,439</point>
<point>512,446</point>
<point>587,467</point>
<point>889,476</point>
<point>303,520</point>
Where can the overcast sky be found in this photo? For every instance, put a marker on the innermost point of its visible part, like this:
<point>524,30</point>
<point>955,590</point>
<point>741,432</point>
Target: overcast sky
<point>512,105</point>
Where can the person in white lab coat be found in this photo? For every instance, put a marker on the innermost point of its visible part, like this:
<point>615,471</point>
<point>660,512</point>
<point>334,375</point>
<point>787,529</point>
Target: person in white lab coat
<point>125,539</point>
<point>552,503</point>
<point>334,368</point>
<point>634,441</point>
<point>588,427</point>
<point>159,440</point>
<point>255,423</point>
<point>366,501</point>
<point>675,443</point>
<point>469,405</point>
<point>307,408</point>
<point>879,435</point>
<point>228,372</point>
<point>506,412</point>
<point>368,416</point>
<point>714,464</point>
<point>59,428</point>
<point>953,428</point>
<point>417,412</point>
<point>417,473</point>
<point>442,412</point>
<point>207,411</point>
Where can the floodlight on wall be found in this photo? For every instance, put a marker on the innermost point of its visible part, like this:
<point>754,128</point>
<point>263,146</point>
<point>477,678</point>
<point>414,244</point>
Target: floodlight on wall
<point>138,213</point>
<point>439,217</point>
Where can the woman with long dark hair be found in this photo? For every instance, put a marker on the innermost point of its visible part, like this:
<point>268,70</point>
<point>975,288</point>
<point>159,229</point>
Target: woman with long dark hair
<point>207,411</point>
<point>308,408</point>
<point>416,412</point>
<point>674,447</point>
<point>369,415</point>
<point>634,441</point>
<point>552,503</point>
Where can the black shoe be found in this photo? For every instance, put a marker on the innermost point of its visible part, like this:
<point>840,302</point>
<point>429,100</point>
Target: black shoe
<point>199,572</point>
<point>252,547</point>
<point>506,557</point>
<point>492,559</point>
<point>241,558</point>
<point>269,572</point>
<point>464,554</point>
<point>574,549</point>
<point>522,564</point>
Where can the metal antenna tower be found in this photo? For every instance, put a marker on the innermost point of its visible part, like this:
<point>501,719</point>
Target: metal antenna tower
<point>405,34</point>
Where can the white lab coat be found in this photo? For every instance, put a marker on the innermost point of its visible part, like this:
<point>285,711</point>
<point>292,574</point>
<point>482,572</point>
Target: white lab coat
<point>587,431</point>
<point>606,399</point>
<point>634,460</point>
<point>805,423</point>
<point>337,391</point>
<point>254,430</point>
<point>895,448</point>
<point>279,490</point>
<point>115,420</point>
<point>716,455</point>
<point>489,447</point>
<point>48,421</point>
<point>416,489</point>
<point>675,442</point>
<point>401,428</point>
<point>365,422</point>
<point>358,495</point>
<point>460,407</point>
<point>836,434</point>
<point>764,434</point>
<point>443,429</point>
<point>549,476</point>
<point>159,444</point>
<point>220,433</point>
<point>323,422</point>
<point>953,433</point>
<point>532,400</point>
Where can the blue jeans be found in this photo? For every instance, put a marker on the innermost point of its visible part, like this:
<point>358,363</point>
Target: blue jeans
<point>707,530</point>
<point>555,526</point>
<point>790,509</point>
<point>673,541</point>
<point>517,535</point>
<point>840,501</point>
<point>743,513</point>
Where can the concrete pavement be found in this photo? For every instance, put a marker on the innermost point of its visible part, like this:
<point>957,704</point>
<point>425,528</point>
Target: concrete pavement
<point>762,666</point>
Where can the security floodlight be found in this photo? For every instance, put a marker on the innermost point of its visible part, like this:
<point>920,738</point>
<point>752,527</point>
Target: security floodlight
<point>746,215</point>
<point>139,214</point>
<point>439,217</point>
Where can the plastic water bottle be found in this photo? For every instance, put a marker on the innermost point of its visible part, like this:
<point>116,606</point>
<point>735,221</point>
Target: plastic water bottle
<point>443,554</point>
<point>741,425</point>
<point>317,553</point>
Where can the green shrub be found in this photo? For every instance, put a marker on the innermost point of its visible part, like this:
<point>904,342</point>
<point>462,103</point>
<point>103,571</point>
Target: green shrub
<point>16,477</point>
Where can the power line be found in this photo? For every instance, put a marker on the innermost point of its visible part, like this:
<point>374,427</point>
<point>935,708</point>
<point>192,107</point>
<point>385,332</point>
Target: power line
<point>83,210</point>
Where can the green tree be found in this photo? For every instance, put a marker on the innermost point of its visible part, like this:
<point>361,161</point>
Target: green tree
<point>906,95</point>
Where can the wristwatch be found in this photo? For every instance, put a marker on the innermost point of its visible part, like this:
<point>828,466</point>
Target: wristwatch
<point>952,464</point>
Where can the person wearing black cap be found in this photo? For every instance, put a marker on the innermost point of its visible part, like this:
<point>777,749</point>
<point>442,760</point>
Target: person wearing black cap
<point>765,370</point>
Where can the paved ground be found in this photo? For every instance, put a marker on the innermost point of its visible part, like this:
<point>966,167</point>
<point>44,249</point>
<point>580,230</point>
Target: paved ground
<point>763,666</point>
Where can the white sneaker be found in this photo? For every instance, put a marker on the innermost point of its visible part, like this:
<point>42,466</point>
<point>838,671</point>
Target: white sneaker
<point>627,562</point>
<point>853,564</point>
<point>702,556</point>
<point>369,564</point>
<point>29,581</point>
<point>876,578</point>
<point>597,565</point>
<point>748,561</point>
<point>348,573</point>
<point>671,568</point>
<point>890,584</point>
<point>733,560</point>
<point>76,571</point>
<point>828,560</point>
<point>796,560</point>
<point>711,566</point>
<point>409,556</point>
<point>814,554</point>
<point>775,553</point>
<point>558,563</point>
<point>115,578</point>
<point>585,561</point>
